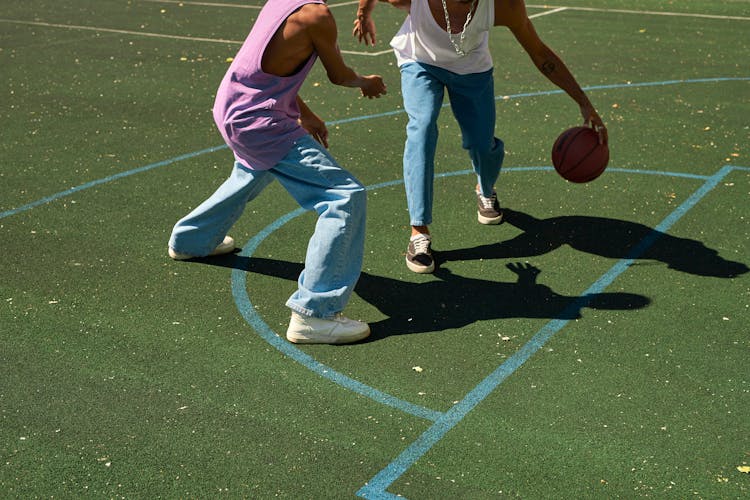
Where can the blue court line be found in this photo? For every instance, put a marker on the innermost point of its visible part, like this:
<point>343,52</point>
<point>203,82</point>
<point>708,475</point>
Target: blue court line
<point>61,194</point>
<point>376,487</point>
<point>246,308</point>
<point>105,180</point>
<point>542,93</point>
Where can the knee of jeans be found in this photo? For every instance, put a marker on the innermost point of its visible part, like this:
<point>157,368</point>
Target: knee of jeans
<point>358,196</point>
<point>490,159</point>
<point>497,150</point>
<point>493,147</point>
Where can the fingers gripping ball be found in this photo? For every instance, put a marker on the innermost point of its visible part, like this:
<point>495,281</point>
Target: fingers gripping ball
<point>577,155</point>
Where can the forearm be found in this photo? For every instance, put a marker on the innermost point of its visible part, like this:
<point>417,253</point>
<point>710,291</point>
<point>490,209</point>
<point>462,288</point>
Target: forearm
<point>555,70</point>
<point>346,77</point>
<point>365,8</point>
<point>552,67</point>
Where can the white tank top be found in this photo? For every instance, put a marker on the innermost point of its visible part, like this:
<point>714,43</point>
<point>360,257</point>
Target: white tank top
<point>421,39</point>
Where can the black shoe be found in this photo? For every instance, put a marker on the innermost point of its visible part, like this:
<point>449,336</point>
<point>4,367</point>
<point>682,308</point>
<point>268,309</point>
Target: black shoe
<point>488,209</point>
<point>419,255</point>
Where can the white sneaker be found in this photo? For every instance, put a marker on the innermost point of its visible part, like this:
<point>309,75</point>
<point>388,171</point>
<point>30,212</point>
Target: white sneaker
<point>225,246</point>
<point>336,330</point>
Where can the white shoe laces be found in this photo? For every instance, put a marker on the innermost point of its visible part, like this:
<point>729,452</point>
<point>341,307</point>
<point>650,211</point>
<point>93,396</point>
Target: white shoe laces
<point>488,202</point>
<point>421,244</point>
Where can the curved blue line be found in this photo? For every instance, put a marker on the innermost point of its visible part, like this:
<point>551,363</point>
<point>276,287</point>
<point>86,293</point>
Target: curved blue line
<point>194,154</point>
<point>376,487</point>
<point>246,308</point>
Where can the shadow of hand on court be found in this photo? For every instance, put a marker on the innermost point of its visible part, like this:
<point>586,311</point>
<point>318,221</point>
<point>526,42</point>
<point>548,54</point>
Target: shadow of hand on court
<point>612,238</point>
<point>451,301</point>
<point>455,301</point>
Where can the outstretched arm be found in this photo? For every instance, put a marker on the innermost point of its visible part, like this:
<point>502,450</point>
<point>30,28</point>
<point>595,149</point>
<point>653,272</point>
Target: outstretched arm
<point>512,13</point>
<point>322,29</point>
<point>364,26</point>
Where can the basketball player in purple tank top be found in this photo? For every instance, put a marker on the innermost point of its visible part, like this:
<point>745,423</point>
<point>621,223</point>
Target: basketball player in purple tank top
<point>275,135</point>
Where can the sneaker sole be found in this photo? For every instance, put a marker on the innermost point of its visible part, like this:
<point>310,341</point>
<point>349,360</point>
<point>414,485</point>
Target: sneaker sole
<point>489,221</point>
<point>420,269</point>
<point>225,247</point>
<point>296,339</point>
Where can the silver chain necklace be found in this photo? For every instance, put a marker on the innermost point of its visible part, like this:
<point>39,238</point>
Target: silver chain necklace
<point>458,47</point>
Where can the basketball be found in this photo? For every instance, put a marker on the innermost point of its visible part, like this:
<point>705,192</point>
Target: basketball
<point>577,155</point>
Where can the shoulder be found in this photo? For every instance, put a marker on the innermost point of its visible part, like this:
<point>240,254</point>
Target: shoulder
<point>399,4</point>
<point>510,13</point>
<point>314,13</point>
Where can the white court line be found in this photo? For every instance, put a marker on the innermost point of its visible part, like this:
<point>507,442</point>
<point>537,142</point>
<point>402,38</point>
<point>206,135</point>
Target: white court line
<point>553,9</point>
<point>124,32</point>
<point>159,35</point>
<point>192,38</point>
<point>645,12</point>
<point>208,4</point>
<point>234,5</point>
<point>358,53</point>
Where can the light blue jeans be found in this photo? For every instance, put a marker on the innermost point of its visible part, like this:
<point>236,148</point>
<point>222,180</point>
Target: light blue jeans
<point>315,180</point>
<point>472,100</point>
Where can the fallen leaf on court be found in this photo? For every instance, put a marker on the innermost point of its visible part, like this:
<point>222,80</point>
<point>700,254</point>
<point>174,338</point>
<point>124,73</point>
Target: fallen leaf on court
<point>744,469</point>
<point>417,369</point>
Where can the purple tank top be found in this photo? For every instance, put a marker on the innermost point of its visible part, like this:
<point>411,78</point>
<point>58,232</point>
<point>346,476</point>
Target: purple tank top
<point>257,112</point>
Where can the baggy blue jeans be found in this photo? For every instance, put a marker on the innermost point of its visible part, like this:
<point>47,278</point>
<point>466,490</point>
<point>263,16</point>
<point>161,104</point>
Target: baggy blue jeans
<point>472,100</point>
<point>315,180</point>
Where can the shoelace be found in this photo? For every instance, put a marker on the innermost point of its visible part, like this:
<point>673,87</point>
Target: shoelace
<point>488,202</point>
<point>421,245</point>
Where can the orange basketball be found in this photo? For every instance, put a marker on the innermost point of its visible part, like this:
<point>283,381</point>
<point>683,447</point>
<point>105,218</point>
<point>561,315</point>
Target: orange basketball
<point>577,155</point>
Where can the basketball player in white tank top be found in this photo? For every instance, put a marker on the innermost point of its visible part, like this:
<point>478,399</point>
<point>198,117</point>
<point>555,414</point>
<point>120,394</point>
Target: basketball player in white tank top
<point>442,46</point>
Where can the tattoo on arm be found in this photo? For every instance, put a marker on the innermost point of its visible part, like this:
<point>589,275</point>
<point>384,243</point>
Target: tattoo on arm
<point>548,67</point>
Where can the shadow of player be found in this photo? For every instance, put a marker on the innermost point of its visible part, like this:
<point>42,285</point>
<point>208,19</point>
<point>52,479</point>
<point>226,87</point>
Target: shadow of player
<point>602,236</point>
<point>451,301</point>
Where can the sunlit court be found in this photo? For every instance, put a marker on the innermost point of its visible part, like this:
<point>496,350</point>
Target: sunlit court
<point>592,345</point>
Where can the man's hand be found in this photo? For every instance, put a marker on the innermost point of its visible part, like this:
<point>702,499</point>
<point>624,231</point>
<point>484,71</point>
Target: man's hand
<point>364,30</point>
<point>592,119</point>
<point>372,86</point>
<point>315,127</point>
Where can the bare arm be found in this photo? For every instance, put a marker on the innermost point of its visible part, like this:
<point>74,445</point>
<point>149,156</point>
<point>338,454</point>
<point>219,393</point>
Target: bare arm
<point>323,34</point>
<point>512,13</point>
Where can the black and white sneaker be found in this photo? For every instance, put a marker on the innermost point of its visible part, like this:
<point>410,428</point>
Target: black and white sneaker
<point>419,255</point>
<point>488,209</point>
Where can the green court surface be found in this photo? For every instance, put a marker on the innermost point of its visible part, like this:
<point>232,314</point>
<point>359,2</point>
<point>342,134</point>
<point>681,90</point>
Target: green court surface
<point>595,345</point>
